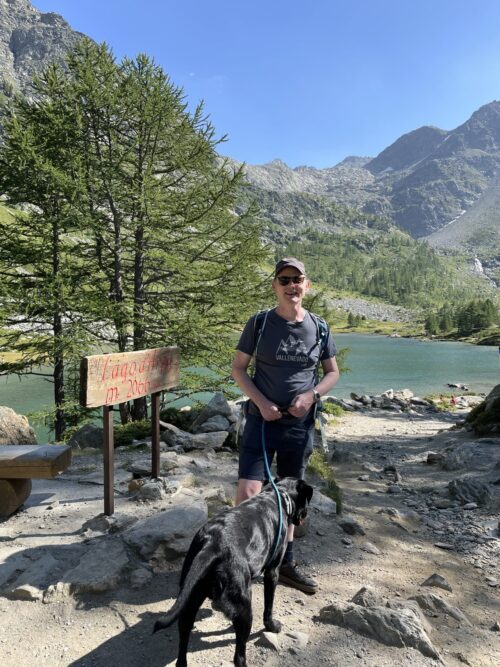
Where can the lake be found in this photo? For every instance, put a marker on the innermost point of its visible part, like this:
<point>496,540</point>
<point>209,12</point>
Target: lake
<point>376,363</point>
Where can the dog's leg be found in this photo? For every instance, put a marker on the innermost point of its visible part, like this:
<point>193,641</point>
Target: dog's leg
<point>185,624</point>
<point>270,581</point>
<point>242,626</point>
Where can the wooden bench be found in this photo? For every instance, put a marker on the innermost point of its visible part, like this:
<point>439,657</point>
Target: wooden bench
<point>19,464</point>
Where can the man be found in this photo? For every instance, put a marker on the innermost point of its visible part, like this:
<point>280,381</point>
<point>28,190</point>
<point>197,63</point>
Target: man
<point>283,392</point>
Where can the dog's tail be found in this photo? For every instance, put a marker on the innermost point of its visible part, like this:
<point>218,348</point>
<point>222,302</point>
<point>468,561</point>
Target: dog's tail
<point>199,568</point>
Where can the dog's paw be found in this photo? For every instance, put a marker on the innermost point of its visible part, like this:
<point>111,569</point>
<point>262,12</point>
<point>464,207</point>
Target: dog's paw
<point>273,626</point>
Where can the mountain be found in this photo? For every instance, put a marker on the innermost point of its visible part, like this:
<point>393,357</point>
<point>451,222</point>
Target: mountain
<point>29,40</point>
<point>438,185</point>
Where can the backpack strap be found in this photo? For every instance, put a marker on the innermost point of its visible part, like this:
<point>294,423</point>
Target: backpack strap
<point>258,327</point>
<point>321,332</point>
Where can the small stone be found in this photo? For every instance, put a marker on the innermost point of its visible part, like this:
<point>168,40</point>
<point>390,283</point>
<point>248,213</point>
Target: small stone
<point>444,545</point>
<point>53,505</point>
<point>438,581</point>
<point>346,540</point>
<point>269,640</point>
<point>470,506</point>
<point>496,626</point>
<point>351,527</point>
<point>394,488</point>
<point>364,478</point>
<point>491,581</point>
<point>371,548</point>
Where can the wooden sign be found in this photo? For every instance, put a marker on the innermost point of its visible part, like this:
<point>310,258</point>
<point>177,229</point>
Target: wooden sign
<point>106,379</point>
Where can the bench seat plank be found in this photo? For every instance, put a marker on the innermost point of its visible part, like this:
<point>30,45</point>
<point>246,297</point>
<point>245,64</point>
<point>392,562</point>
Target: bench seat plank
<point>33,461</point>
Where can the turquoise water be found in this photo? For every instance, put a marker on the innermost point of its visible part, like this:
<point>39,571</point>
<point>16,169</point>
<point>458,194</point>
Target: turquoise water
<point>376,363</point>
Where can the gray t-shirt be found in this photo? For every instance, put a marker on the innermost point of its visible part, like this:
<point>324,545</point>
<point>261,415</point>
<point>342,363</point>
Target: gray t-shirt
<point>287,356</point>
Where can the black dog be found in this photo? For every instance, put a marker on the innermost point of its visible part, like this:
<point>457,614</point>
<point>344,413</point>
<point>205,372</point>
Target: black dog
<point>228,552</point>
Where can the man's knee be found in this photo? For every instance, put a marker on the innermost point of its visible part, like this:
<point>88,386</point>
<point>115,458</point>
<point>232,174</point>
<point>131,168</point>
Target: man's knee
<point>247,488</point>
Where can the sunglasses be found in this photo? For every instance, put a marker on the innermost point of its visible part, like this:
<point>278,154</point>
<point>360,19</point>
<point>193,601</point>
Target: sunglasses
<point>286,280</point>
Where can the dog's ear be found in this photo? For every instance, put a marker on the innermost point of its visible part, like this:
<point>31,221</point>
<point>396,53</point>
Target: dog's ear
<point>304,490</point>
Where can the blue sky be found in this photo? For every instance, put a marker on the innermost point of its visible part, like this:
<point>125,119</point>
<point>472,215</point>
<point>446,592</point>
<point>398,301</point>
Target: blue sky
<point>310,83</point>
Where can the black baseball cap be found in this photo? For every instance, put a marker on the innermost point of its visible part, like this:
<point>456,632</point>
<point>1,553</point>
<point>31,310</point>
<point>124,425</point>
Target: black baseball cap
<point>289,261</point>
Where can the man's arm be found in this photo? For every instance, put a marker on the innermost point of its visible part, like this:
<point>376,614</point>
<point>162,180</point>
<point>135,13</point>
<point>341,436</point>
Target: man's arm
<point>239,371</point>
<point>303,402</point>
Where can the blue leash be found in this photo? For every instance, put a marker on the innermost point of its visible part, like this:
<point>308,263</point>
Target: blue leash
<point>278,495</point>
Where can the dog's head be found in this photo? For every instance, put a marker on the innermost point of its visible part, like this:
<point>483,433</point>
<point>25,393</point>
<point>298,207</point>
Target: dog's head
<point>300,494</point>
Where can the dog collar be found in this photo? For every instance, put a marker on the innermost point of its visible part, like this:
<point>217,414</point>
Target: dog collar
<point>288,503</point>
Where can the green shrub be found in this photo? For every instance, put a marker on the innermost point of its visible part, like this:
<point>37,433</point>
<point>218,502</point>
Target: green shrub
<point>126,433</point>
<point>318,465</point>
<point>333,409</point>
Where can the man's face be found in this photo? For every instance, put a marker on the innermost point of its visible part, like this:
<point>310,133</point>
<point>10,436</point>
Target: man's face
<point>295,288</point>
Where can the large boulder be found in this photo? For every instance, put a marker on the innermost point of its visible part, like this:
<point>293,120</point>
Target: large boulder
<point>218,405</point>
<point>89,435</point>
<point>485,418</point>
<point>15,429</point>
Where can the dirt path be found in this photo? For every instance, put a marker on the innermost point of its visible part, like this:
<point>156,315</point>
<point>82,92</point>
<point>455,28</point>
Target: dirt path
<point>115,628</point>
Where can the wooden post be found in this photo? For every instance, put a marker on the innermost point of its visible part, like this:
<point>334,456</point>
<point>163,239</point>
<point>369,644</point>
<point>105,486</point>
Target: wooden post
<point>155,440</point>
<point>109,457</point>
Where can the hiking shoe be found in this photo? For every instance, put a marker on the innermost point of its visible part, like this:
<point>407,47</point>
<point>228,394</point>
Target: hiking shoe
<point>291,575</point>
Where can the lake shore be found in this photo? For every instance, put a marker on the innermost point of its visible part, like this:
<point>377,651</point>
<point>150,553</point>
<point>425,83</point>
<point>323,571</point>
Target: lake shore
<point>114,627</point>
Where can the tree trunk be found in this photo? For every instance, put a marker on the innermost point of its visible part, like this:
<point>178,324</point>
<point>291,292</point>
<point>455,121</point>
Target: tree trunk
<point>139,410</point>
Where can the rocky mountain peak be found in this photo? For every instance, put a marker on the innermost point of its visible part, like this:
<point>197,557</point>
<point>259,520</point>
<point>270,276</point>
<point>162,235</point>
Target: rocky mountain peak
<point>29,41</point>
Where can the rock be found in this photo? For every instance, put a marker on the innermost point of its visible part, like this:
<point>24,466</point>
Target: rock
<point>89,435</point>
<point>392,627</point>
<point>215,423</point>
<point>214,440</point>
<point>434,458</point>
<point>429,602</point>
<point>442,503</point>
<point>496,626</point>
<point>101,568</point>
<point>217,405</point>
<point>438,581</point>
<point>394,488</point>
<point>35,578</point>
<point>175,437</point>
<point>15,429</point>
<point>363,478</point>
<point>30,40</point>
<point>269,640</point>
<point>152,490</point>
<point>323,504</point>
<point>470,491</point>
<point>351,526</point>
<point>108,524</point>
<point>367,597</point>
<point>168,534</point>
<point>370,548</point>
<point>140,577</point>
<point>444,545</point>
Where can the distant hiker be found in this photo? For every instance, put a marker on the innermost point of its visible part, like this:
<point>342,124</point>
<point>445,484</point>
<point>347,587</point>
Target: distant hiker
<point>289,343</point>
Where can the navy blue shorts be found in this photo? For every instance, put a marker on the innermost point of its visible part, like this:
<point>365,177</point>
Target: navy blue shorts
<point>291,441</point>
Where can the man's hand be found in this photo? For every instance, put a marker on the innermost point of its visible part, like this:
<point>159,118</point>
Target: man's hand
<point>301,404</point>
<point>269,411</point>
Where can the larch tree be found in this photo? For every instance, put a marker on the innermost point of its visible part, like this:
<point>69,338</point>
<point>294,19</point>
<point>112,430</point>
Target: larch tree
<point>157,254</point>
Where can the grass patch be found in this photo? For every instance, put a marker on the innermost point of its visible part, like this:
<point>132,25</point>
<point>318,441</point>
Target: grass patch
<point>318,465</point>
<point>333,410</point>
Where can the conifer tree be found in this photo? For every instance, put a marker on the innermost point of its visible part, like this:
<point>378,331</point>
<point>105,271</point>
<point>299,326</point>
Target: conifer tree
<point>136,212</point>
